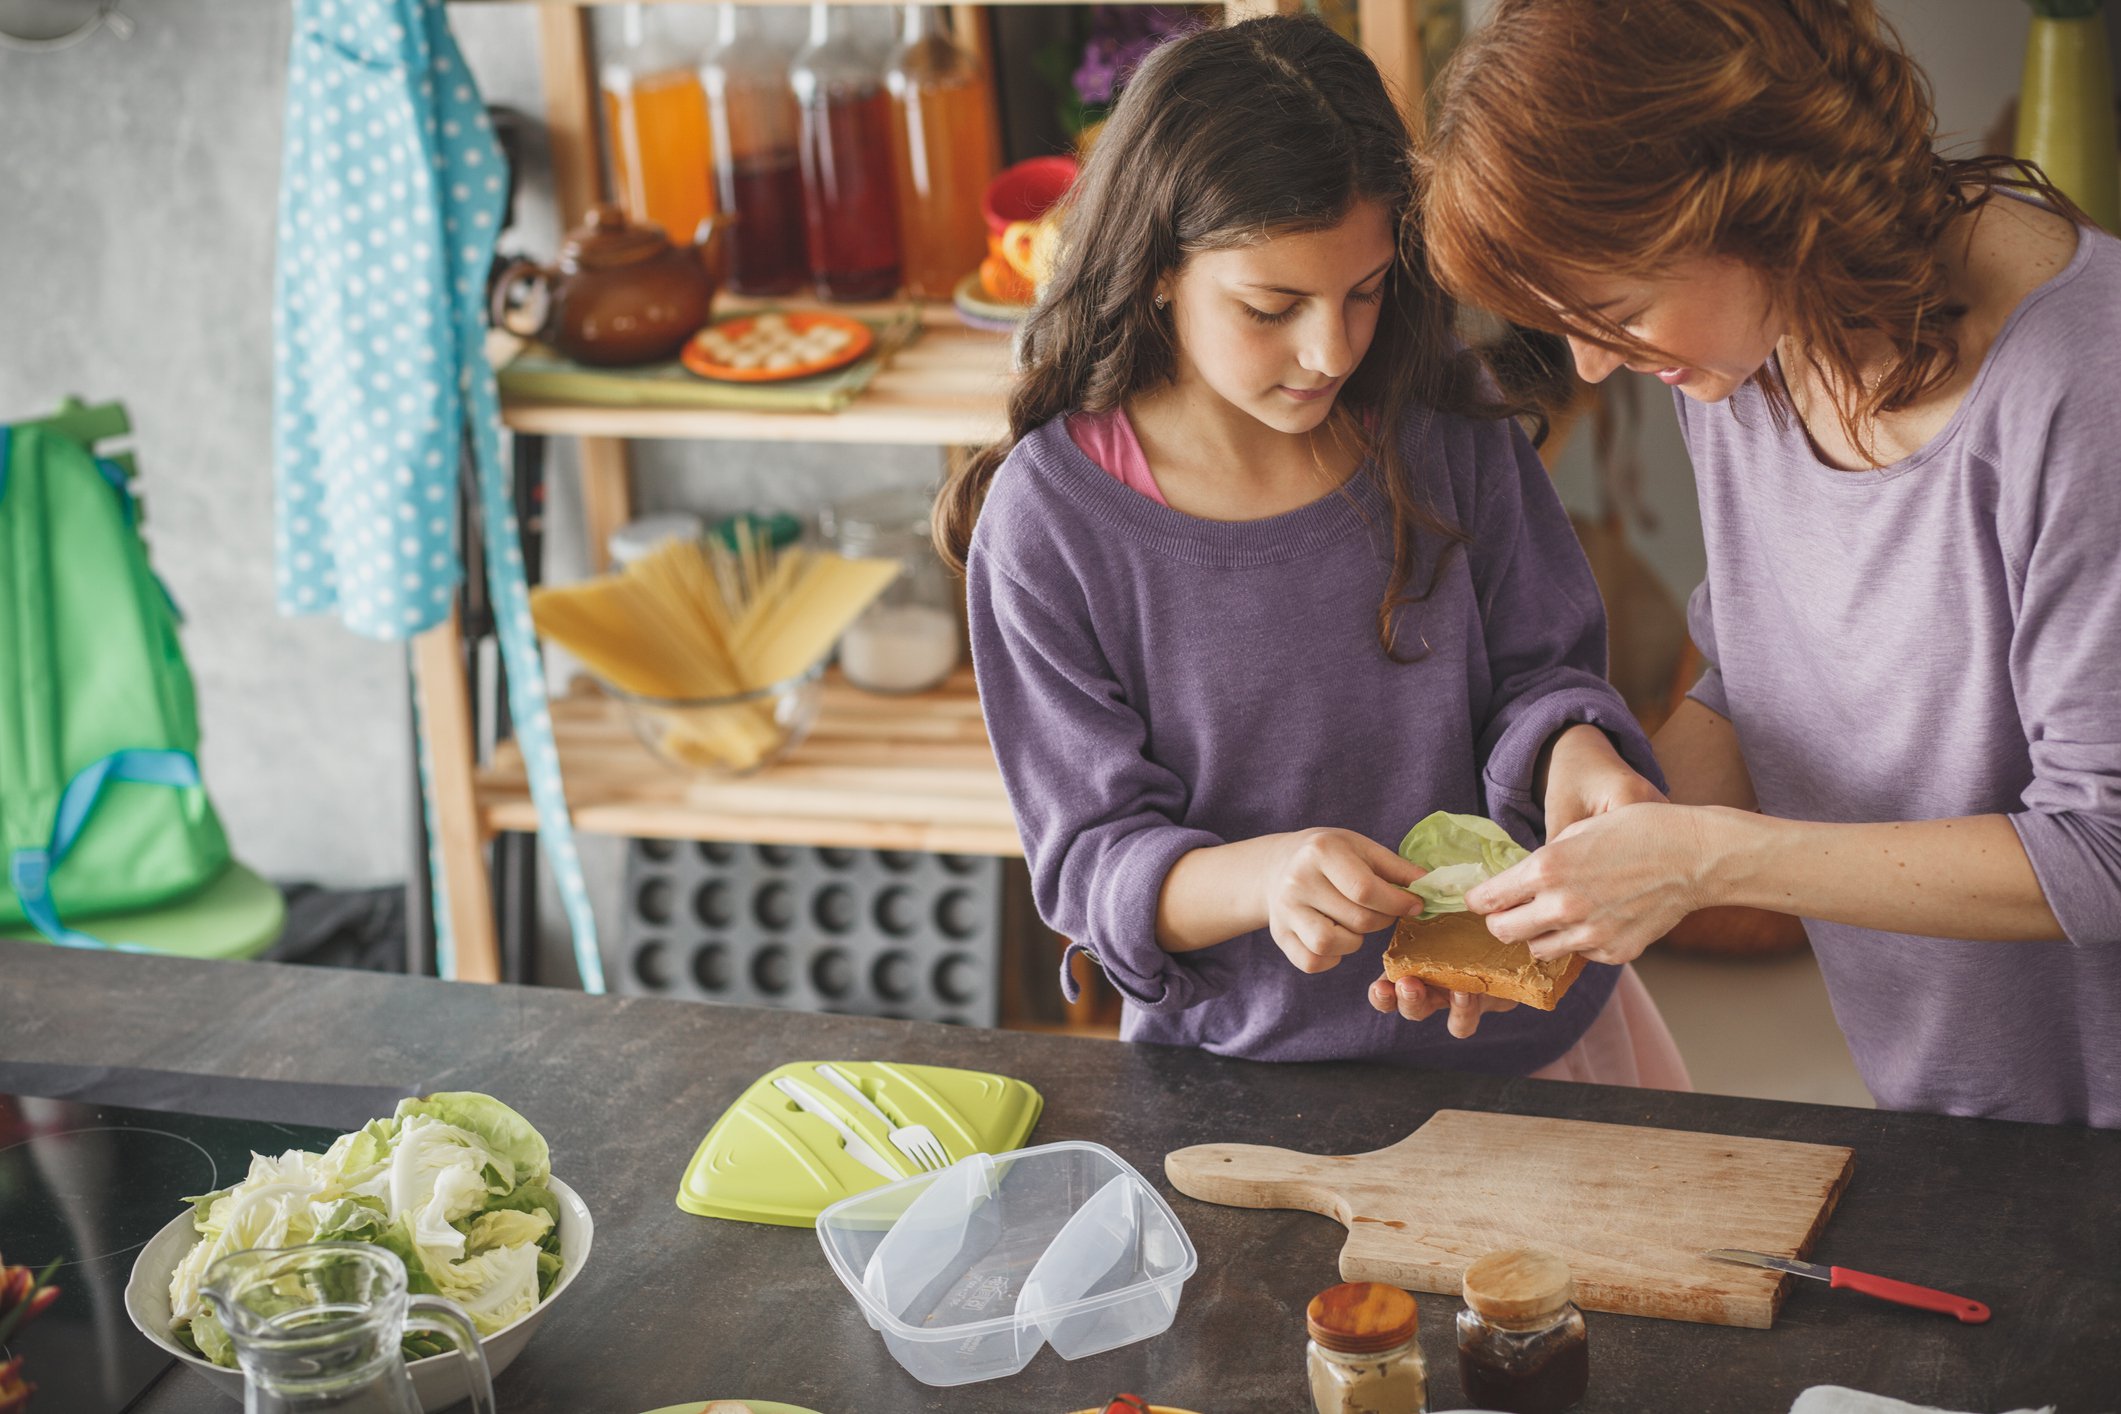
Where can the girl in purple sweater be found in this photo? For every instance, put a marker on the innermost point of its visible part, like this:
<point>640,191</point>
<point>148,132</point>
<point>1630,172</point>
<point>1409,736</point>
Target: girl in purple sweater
<point>1898,381</point>
<point>1258,579</point>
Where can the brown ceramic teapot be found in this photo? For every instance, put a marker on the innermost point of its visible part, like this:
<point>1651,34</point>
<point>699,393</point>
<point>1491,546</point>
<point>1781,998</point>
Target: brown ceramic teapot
<point>623,294</point>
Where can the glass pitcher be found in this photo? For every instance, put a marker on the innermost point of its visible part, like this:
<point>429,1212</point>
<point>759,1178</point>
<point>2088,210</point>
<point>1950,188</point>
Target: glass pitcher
<point>318,1327</point>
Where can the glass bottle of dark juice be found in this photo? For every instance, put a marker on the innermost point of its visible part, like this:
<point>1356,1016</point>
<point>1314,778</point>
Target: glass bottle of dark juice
<point>754,123</point>
<point>844,146</point>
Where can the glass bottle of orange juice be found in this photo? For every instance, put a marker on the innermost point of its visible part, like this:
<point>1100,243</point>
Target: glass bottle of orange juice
<point>655,116</point>
<point>944,152</point>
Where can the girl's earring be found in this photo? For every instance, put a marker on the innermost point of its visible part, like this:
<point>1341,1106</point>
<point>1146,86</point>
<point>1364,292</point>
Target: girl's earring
<point>1162,300</point>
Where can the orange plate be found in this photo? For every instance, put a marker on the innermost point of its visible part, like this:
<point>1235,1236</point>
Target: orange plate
<point>801,322</point>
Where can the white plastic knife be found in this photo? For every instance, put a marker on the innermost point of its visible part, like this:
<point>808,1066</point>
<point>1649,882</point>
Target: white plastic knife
<point>812,1103</point>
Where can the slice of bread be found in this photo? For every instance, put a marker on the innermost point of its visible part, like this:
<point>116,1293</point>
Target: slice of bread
<point>1457,951</point>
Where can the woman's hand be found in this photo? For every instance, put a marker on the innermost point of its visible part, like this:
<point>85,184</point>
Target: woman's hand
<point>1328,888</point>
<point>1416,1000</point>
<point>1584,776</point>
<point>1607,886</point>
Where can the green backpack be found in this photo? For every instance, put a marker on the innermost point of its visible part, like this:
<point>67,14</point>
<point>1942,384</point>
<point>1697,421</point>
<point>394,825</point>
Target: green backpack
<point>101,809</point>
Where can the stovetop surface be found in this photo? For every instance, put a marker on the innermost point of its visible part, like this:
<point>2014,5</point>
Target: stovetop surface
<point>90,1184</point>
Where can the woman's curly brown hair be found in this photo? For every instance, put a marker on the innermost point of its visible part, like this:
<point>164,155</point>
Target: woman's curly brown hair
<point>1593,138</point>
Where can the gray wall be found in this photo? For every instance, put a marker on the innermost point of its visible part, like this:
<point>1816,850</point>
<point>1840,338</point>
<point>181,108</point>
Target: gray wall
<point>137,191</point>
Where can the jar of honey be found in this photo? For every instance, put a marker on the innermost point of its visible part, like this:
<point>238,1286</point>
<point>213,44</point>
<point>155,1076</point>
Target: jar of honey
<point>1522,1347</point>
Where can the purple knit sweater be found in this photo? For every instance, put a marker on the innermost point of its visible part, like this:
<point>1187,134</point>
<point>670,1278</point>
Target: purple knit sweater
<point>1942,638</point>
<point>1156,683</point>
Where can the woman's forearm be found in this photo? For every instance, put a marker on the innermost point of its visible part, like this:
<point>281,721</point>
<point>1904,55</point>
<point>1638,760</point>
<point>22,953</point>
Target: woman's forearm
<point>1698,749</point>
<point>1213,895</point>
<point>1963,878</point>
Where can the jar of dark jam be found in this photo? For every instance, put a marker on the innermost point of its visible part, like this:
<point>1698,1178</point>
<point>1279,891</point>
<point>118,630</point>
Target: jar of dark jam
<point>1522,1348</point>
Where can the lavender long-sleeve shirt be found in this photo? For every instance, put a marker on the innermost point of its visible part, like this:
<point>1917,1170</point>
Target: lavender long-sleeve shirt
<point>1936,639</point>
<point>1155,683</point>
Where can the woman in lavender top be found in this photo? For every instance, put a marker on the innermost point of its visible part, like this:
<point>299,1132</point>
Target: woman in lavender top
<point>1898,376</point>
<point>1259,578</point>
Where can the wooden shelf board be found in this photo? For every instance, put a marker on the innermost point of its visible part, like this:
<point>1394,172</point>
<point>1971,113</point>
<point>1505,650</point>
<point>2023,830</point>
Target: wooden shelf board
<point>876,772</point>
<point>948,388</point>
<point>793,4</point>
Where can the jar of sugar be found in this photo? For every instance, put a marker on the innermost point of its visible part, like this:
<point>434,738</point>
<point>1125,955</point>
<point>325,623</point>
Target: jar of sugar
<point>908,640</point>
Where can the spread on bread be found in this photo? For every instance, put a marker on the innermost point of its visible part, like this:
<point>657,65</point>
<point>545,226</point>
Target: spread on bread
<point>1448,947</point>
<point>1458,952</point>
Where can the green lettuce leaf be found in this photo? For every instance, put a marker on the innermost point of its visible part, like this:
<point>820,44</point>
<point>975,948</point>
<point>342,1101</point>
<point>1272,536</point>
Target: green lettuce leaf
<point>548,1272</point>
<point>505,1228</point>
<point>349,1220</point>
<point>398,1238</point>
<point>1460,852</point>
<point>359,1156</point>
<point>202,1206</point>
<point>207,1337</point>
<point>493,1287</point>
<point>504,1133</point>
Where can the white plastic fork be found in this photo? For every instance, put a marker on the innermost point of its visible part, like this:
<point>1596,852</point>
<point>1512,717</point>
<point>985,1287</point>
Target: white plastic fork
<point>916,1141</point>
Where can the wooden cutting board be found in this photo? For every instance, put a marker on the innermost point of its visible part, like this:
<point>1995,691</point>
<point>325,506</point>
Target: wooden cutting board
<point>1630,1209</point>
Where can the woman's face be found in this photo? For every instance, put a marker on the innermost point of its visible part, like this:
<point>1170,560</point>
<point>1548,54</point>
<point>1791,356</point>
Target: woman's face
<point>1714,318</point>
<point>1276,327</point>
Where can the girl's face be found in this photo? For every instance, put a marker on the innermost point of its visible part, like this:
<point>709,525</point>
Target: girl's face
<point>1714,316</point>
<point>1276,327</point>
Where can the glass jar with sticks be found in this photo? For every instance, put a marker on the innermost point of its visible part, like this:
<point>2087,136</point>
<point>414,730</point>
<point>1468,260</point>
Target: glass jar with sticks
<point>716,648</point>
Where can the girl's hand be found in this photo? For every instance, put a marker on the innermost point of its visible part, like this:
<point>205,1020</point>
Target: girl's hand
<point>1328,889</point>
<point>1585,776</point>
<point>1417,1000</point>
<point>1607,886</point>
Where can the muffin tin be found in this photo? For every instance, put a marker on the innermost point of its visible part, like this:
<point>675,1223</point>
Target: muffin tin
<point>866,932</point>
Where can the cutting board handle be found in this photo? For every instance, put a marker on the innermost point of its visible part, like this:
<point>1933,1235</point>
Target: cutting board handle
<point>1256,1176</point>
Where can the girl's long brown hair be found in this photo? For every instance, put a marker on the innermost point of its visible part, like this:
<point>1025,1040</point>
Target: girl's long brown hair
<point>1224,138</point>
<point>1595,138</point>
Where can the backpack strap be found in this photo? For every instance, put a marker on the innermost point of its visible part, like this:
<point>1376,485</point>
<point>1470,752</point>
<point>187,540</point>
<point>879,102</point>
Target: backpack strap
<point>30,870</point>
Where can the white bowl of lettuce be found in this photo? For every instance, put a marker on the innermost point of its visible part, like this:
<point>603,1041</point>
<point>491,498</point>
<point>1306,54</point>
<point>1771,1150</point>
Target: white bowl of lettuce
<point>459,1185</point>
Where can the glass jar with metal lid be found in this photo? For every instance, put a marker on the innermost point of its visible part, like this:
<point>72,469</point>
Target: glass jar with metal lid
<point>908,640</point>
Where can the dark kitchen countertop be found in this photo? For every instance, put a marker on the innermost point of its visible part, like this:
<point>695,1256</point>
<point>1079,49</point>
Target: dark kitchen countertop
<point>675,1308</point>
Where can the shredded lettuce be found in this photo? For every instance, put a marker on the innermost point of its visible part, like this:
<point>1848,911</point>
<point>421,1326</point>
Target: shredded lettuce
<point>453,1183</point>
<point>1460,852</point>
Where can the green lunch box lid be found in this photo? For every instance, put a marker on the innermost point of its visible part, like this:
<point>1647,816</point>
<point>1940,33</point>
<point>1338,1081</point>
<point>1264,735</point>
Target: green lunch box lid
<point>765,1161</point>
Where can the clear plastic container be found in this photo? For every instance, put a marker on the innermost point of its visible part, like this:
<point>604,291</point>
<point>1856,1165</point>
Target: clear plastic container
<point>967,1272</point>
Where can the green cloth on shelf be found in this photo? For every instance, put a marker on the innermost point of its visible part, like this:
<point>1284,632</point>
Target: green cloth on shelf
<point>541,375</point>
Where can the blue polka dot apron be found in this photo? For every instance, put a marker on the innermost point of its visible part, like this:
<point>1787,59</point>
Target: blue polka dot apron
<point>391,195</point>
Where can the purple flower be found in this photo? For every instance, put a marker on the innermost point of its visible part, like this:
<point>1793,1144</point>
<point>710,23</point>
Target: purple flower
<point>1121,36</point>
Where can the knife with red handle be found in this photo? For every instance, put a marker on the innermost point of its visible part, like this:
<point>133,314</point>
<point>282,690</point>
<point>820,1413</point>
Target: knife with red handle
<point>1903,1293</point>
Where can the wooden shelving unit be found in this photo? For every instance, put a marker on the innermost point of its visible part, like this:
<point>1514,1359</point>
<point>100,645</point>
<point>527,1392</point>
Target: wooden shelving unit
<point>944,389</point>
<point>913,772</point>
